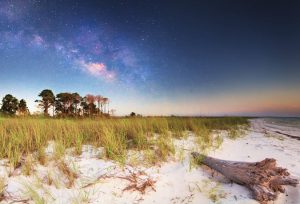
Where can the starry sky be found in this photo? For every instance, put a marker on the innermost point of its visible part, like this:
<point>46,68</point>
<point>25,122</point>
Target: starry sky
<point>156,57</point>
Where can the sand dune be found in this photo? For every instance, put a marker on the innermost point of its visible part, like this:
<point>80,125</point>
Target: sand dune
<point>176,181</point>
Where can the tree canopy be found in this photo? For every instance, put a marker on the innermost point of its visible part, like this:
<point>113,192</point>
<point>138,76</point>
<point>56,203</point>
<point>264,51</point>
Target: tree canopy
<point>72,104</point>
<point>22,107</point>
<point>48,100</point>
<point>9,105</point>
<point>65,104</point>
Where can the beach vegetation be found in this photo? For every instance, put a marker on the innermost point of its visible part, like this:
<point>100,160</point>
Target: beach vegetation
<point>21,136</point>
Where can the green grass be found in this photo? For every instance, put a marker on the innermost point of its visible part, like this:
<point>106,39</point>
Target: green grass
<point>33,194</point>
<point>20,137</point>
<point>212,190</point>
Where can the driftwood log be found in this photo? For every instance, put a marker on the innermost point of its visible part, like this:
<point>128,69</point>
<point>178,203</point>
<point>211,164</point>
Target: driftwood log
<point>263,178</point>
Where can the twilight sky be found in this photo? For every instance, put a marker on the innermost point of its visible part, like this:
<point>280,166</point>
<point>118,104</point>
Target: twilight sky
<point>156,57</point>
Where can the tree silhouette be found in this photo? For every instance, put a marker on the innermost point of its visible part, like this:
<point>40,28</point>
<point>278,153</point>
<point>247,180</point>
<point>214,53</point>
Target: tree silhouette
<point>48,100</point>
<point>90,99</point>
<point>85,107</point>
<point>67,104</point>
<point>72,104</point>
<point>22,108</point>
<point>76,101</point>
<point>9,105</point>
<point>64,102</point>
<point>132,114</point>
<point>99,100</point>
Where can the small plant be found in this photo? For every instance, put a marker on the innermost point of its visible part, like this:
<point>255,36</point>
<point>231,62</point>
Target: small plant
<point>150,157</point>
<point>165,147</point>
<point>178,134</point>
<point>235,132</point>
<point>215,194</point>
<point>68,172</point>
<point>2,188</point>
<point>83,197</point>
<point>51,179</point>
<point>14,156</point>
<point>134,160</point>
<point>34,194</point>
<point>194,162</point>
<point>218,141</point>
<point>41,155</point>
<point>59,150</point>
<point>212,190</point>
<point>27,167</point>
<point>48,178</point>
<point>181,155</point>
<point>115,145</point>
<point>78,144</point>
<point>203,147</point>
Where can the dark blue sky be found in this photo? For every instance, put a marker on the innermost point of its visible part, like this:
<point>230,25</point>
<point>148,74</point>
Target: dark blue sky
<point>156,57</point>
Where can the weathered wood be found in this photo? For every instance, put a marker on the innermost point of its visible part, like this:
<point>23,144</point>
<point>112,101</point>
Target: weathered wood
<point>263,178</point>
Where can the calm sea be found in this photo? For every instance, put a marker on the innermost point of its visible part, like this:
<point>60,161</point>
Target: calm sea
<point>290,122</point>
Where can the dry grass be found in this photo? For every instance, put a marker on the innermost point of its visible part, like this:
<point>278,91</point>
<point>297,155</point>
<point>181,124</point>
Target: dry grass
<point>2,188</point>
<point>83,197</point>
<point>33,194</point>
<point>41,155</point>
<point>27,167</point>
<point>20,137</point>
<point>68,172</point>
<point>212,190</point>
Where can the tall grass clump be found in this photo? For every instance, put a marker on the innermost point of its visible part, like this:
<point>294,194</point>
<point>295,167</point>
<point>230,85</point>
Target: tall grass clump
<point>20,137</point>
<point>27,168</point>
<point>165,146</point>
<point>114,144</point>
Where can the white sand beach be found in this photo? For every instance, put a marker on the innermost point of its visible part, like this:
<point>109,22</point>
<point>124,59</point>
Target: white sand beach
<point>175,181</point>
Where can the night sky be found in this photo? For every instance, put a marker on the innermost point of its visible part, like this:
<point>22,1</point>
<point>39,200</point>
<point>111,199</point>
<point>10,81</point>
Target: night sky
<point>156,57</point>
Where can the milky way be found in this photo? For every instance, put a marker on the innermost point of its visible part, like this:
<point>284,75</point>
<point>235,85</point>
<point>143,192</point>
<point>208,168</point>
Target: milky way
<point>156,57</point>
<point>94,49</point>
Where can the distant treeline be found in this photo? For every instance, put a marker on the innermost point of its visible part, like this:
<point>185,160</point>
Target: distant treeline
<point>11,105</point>
<point>63,104</point>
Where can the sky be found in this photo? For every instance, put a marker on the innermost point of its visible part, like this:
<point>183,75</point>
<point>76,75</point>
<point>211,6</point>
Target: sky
<point>156,57</point>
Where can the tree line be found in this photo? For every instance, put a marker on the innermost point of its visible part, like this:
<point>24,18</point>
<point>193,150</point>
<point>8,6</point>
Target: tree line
<point>11,106</point>
<point>63,104</point>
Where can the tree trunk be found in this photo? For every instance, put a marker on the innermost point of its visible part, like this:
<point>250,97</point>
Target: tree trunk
<point>263,178</point>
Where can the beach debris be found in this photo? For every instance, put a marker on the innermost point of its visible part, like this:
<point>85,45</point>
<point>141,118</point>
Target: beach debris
<point>263,178</point>
<point>139,181</point>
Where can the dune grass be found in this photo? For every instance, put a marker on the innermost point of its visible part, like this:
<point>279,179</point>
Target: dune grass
<point>2,188</point>
<point>68,172</point>
<point>20,137</point>
<point>33,194</point>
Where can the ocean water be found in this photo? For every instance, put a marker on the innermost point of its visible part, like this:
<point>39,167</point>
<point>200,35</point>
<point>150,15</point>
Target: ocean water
<point>288,122</point>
